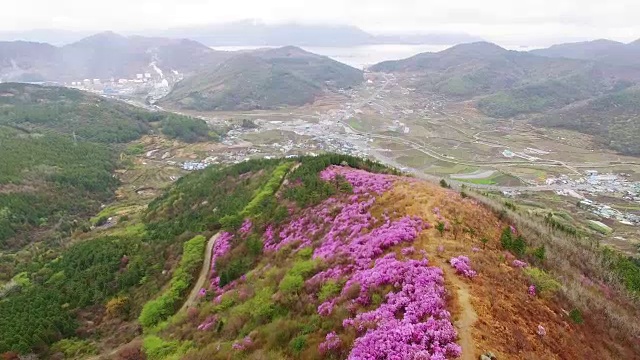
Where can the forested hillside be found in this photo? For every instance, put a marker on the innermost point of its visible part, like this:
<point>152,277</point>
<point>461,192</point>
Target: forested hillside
<point>47,181</point>
<point>327,257</point>
<point>506,84</point>
<point>58,149</point>
<point>263,79</point>
<point>613,119</point>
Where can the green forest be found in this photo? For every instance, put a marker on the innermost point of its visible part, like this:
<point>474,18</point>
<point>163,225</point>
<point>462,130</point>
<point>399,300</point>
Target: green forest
<point>41,311</point>
<point>58,150</point>
<point>614,119</point>
<point>49,179</point>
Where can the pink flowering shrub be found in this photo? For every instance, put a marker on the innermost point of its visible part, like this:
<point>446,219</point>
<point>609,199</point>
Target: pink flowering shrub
<point>246,227</point>
<point>242,344</point>
<point>220,248</point>
<point>519,264</point>
<point>208,323</point>
<point>541,331</point>
<point>532,290</point>
<point>331,343</point>
<point>363,182</point>
<point>408,251</point>
<point>412,320</point>
<point>462,266</point>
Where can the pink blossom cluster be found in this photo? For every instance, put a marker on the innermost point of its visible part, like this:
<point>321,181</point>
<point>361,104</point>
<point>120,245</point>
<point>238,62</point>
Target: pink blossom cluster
<point>363,182</point>
<point>532,290</point>
<point>221,247</point>
<point>408,251</point>
<point>412,321</point>
<point>246,226</point>
<point>519,264</point>
<point>462,266</point>
<point>541,330</point>
<point>242,344</point>
<point>331,343</point>
<point>208,323</point>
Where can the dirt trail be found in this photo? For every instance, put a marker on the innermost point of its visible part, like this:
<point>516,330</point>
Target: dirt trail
<point>202,278</point>
<point>466,318</point>
<point>193,296</point>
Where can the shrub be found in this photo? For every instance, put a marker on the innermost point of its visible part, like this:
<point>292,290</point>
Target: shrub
<point>291,283</point>
<point>164,306</point>
<point>131,352</point>
<point>576,316</point>
<point>539,253</point>
<point>156,348</point>
<point>462,266</point>
<point>117,307</point>
<point>440,227</point>
<point>304,268</point>
<point>444,184</point>
<point>233,269</point>
<point>543,281</point>
<point>517,245</point>
<point>298,344</point>
<point>73,348</point>
<point>510,205</point>
<point>328,290</point>
<point>305,253</point>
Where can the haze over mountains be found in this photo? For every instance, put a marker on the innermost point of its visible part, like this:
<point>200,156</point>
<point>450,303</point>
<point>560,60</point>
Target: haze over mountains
<point>101,56</point>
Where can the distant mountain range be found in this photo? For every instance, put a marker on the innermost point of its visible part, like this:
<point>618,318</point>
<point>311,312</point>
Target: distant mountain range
<point>102,56</point>
<point>606,51</point>
<point>590,95</point>
<point>249,32</point>
<point>263,79</point>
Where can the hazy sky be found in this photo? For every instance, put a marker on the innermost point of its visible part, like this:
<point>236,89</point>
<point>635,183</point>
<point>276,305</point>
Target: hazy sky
<point>504,21</point>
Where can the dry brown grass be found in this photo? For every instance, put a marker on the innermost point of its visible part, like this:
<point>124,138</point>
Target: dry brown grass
<point>507,316</point>
<point>569,259</point>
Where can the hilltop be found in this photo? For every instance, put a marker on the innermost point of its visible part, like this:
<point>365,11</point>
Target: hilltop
<point>322,258</point>
<point>605,51</point>
<point>481,68</point>
<point>263,79</point>
<point>102,56</point>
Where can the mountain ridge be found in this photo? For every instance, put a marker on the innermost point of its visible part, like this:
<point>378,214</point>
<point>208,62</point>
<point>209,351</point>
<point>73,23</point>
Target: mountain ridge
<point>103,55</point>
<point>601,50</point>
<point>263,79</point>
